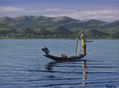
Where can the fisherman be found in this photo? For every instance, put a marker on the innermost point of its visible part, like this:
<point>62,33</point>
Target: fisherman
<point>45,49</point>
<point>83,41</point>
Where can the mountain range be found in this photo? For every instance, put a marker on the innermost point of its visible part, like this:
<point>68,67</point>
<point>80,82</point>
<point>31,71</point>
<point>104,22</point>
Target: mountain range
<point>56,27</point>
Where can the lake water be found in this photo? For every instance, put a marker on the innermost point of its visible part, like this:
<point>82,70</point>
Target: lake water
<point>22,64</point>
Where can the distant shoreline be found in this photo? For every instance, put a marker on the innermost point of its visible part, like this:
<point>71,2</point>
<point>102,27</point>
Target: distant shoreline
<point>32,27</point>
<point>55,38</point>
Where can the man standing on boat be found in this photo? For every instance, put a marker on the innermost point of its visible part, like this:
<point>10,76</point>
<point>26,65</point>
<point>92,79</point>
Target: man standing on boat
<point>83,42</point>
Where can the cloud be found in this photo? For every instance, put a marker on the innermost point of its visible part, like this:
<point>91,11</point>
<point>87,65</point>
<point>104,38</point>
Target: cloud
<point>106,14</point>
<point>97,14</point>
<point>10,9</point>
<point>49,10</point>
<point>103,14</point>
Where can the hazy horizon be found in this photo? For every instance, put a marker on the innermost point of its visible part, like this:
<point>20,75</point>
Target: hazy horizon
<point>62,16</point>
<point>105,10</point>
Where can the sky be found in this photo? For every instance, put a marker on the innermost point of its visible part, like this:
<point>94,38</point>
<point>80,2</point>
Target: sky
<point>107,10</point>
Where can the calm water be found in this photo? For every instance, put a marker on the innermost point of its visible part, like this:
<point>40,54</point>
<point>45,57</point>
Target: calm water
<point>22,64</point>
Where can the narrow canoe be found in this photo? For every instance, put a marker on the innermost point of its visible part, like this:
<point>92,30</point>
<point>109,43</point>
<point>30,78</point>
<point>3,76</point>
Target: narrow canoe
<point>71,58</point>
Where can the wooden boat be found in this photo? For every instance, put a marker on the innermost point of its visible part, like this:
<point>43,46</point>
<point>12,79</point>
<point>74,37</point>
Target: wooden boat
<point>62,59</point>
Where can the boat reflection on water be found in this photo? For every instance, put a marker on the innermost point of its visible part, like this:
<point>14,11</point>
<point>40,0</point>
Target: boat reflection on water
<point>85,76</point>
<point>49,68</point>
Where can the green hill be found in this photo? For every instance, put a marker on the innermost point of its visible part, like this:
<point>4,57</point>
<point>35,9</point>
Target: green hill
<point>55,27</point>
